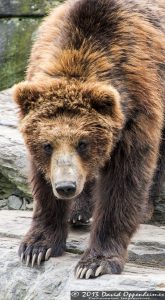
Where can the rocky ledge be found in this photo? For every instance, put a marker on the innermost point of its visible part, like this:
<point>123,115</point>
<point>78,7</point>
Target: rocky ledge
<point>14,192</point>
<point>145,269</point>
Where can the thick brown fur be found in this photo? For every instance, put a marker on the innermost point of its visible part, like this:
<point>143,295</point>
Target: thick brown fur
<point>97,70</point>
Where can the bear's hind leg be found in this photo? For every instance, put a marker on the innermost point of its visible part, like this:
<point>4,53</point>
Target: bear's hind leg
<point>159,177</point>
<point>48,232</point>
<point>82,206</point>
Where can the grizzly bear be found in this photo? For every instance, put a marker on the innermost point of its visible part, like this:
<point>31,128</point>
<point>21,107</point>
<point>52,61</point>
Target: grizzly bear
<point>92,117</point>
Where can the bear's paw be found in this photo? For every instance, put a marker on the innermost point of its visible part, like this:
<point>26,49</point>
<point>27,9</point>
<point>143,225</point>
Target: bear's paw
<point>92,265</point>
<point>37,248</point>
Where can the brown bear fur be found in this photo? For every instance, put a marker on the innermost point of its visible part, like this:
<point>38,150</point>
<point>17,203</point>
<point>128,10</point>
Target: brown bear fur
<point>97,70</point>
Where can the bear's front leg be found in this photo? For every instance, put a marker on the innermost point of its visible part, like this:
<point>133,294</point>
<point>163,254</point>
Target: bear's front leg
<point>121,196</point>
<point>48,231</point>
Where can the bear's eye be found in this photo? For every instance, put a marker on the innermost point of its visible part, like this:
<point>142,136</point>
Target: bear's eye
<point>48,148</point>
<point>82,146</point>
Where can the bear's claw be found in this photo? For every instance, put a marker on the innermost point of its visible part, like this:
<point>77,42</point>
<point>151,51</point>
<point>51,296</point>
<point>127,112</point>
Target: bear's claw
<point>80,215</point>
<point>27,260</point>
<point>98,271</point>
<point>22,257</point>
<point>79,220</point>
<point>39,259</point>
<point>35,258</point>
<point>93,264</point>
<point>83,272</point>
<point>48,253</point>
<point>87,273</point>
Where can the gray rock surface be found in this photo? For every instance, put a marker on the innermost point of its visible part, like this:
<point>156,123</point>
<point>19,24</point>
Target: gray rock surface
<point>16,37</point>
<point>19,20</point>
<point>14,202</point>
<point>26,7</point>
<point>145,269</point>
<point>13,156</point>
<point>11,197</point>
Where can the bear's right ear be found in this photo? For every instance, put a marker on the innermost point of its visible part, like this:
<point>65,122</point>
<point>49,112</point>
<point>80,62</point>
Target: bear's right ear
<point>25,94</point>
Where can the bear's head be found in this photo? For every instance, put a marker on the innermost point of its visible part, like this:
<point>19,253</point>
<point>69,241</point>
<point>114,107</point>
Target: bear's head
<point>70,129</point>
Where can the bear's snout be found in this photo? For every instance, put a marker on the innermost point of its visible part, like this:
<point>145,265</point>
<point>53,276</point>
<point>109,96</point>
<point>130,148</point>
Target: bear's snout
<point>66,188</point>
<point>67,175</point>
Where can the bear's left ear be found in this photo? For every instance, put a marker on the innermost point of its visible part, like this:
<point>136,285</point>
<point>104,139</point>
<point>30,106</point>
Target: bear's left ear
<point>105,100</point>
<point>26,94</point>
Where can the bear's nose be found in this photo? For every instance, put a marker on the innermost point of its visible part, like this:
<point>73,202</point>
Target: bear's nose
<point>66,188</point>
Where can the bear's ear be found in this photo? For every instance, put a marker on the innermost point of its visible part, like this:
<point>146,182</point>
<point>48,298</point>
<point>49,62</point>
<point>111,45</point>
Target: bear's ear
<point>105,100</point>
<point>26,94</point>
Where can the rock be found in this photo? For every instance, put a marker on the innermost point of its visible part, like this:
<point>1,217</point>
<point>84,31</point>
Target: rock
<point>29,206</point>
<point>26,205</point>
<point>19,21</point>
<point>9,111</point>
<point>26,7</point>
<point>13,156</point>
<point>14,202</point>
<point>3,203</point>
<point>16,37</point>
<point>6,187</point>
<point>55,278</point>
<point>11,197</point>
